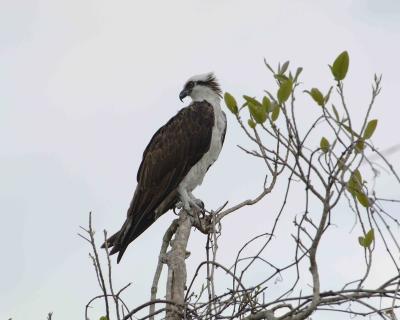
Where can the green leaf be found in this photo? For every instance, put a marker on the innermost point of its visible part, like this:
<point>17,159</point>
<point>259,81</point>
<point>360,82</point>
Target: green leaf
<point>266,103</point>
<point>317,96</point>
<point>370,129</point>
<point>336,113</point>
<point>298,71</point>
<point>281,77</point>
<point>275,112</point>
<point>326,98</point>
<point>354,184</point>
<point>252,100</point>
<point>324,145</point>
<point>350,130</point>
<point>360,145</point>
<point>284,67</point>
<point>367,240</point>
<point>351,188</point>
<point>341,164</point>
<point>284,91</point>
<point>340,66</point>
<point>257,112</point>
<point>363,199</point>
<point>103,318</point>
<point>357,176</point>
<point>369,237</point>
<point>231,103</point>
<point>251,123</point>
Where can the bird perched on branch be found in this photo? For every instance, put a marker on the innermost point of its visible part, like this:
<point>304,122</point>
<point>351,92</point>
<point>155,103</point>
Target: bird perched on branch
<point>176,160</point>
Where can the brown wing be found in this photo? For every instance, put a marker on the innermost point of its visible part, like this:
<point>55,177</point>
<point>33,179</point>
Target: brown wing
<point>169,156</point>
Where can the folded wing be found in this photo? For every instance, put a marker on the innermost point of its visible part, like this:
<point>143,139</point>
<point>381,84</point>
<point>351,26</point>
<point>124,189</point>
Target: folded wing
<point>173,150</point>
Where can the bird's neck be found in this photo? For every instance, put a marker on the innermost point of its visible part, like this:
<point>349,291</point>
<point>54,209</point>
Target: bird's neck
<point>209,95</point>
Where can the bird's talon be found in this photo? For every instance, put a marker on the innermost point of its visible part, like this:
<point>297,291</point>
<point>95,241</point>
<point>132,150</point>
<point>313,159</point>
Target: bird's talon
<point>200,204</point>
<point>179,205</point>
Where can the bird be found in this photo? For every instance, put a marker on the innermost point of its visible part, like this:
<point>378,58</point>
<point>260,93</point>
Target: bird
<point>175,160</point>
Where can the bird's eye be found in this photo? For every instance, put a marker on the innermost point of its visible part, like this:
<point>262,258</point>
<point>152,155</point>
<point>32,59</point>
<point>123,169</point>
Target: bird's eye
<point>190,85</point>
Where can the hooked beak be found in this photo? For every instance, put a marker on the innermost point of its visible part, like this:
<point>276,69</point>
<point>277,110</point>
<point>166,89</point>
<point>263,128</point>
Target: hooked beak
<point>184,93</point>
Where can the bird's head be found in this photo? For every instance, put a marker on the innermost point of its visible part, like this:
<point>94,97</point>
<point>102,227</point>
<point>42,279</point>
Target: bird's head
<point>202,87</point>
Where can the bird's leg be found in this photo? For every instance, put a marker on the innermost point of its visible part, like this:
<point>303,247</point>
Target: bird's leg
<point>199,204</point>
<point>185,200</point>
<point>188,201</point>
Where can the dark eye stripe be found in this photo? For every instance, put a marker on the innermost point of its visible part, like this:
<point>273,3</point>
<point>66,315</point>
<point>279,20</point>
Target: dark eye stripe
<point>190,84</point>
<point>211,83</point>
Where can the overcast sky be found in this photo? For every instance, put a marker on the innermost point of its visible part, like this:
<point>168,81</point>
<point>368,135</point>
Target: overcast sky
<point>84,85</point>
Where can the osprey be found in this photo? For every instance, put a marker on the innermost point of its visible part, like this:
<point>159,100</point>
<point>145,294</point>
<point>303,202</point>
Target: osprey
<point>176,160</point>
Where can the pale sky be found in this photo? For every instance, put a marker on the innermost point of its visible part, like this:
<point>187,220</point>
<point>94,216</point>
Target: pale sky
<point>84,85</point>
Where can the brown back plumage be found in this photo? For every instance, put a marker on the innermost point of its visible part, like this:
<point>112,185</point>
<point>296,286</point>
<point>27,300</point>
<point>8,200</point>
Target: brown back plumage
<point>170,154</point>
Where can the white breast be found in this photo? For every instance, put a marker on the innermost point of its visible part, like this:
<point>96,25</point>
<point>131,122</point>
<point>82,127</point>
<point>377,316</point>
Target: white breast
<point>196,174</point>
